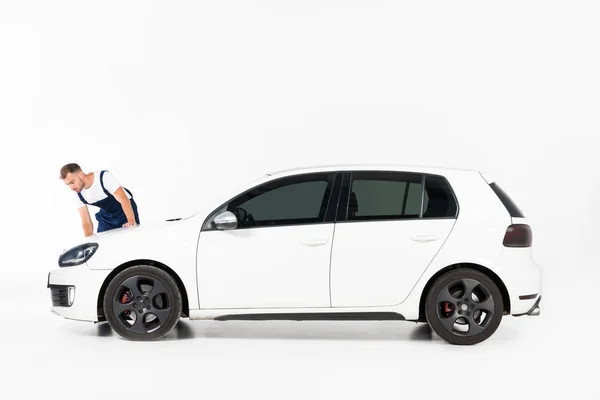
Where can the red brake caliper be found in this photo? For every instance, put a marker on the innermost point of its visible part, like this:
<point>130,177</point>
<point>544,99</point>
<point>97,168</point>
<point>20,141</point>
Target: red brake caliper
<point>447,307</point>
<point>125,299</point>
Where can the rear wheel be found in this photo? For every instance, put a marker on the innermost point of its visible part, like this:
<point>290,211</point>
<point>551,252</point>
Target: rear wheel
<point>464,307</point>
<point>142,303</point>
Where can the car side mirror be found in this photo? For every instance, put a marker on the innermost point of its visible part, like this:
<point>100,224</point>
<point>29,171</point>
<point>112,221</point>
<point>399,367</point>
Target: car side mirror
<point>225,221</point>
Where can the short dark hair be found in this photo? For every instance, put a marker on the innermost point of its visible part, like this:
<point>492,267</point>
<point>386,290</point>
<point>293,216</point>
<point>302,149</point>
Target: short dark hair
<point>71,167</point>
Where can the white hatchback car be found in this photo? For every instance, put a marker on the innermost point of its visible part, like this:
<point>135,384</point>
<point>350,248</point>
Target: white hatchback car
<point>423,244</point>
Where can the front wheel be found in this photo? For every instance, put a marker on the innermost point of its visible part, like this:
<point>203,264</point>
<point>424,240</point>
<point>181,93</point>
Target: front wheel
<point>464,307</point>
<point>142,303</point>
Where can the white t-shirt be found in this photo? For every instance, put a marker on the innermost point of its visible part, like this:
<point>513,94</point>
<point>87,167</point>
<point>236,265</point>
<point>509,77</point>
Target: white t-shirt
<point>95,193</point>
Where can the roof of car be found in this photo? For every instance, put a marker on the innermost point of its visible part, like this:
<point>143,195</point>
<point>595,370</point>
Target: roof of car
<point>350,167</point>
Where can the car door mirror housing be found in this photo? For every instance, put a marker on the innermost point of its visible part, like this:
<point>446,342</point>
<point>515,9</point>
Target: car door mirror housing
<point>225,221</point>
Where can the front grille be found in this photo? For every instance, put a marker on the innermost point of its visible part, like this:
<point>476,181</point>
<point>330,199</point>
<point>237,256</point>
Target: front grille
<point>60,295</point>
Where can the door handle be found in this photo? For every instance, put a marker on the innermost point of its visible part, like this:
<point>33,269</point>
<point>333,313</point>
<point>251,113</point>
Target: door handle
<point>314,242</point>
<point>425,238</point>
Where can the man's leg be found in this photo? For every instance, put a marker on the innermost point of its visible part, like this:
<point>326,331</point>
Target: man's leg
<point>135,211</point>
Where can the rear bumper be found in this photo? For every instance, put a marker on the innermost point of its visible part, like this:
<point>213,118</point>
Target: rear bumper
<point>525,290</point>
<point>523,279</point>
<point>533,311</point>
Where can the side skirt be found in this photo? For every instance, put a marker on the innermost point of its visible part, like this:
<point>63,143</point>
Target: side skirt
<point>305,316</point>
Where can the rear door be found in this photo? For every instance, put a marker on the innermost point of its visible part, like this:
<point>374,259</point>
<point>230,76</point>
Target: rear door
<point>389,230</point>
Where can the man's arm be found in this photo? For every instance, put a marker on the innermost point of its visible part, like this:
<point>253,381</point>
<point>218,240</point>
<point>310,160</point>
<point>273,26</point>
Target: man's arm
<point>126,204</point>
<point>86,221</point>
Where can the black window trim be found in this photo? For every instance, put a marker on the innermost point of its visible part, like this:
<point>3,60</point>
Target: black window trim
<point>423,181</point>
<point>345,196</point>
<point>331,210</point>
<point>337,207</point>
<point>342,211</point>
<point>508,202</point>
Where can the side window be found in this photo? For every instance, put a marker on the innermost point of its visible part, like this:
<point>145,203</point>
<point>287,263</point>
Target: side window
<point>439,201</point>
<point>295,200</point>
<point>384,196</point>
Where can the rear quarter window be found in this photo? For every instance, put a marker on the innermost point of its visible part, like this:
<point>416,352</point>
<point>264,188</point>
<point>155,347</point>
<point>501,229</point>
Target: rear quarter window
<point>439,200</point>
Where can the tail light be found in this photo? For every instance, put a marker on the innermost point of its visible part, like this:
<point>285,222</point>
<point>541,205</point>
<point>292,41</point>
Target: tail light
<point>518,235</point>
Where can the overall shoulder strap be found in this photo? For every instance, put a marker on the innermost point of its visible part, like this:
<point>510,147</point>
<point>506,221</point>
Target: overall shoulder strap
<point>82,199</point>
<point>102,183</point>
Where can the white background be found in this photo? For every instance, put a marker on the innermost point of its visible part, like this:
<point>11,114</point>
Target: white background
<point>179,99</point>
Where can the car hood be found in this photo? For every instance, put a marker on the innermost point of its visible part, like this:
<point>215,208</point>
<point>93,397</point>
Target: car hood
<point>153,229</point>
<point>142,228</point>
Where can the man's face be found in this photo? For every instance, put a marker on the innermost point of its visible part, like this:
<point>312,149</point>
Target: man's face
<point>74,181</point>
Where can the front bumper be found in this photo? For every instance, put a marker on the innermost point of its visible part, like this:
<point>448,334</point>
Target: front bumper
<point>74,291</point>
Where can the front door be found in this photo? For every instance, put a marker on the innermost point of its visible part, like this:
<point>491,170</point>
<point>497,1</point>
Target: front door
<point>386,241</point>
<point>278,256</point>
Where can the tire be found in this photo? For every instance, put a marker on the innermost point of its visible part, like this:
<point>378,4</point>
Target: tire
<point>142,303</point>
<point>459,296</point>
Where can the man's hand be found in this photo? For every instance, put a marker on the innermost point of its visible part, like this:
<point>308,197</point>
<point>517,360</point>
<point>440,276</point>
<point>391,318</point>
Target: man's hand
<point>129,224</point>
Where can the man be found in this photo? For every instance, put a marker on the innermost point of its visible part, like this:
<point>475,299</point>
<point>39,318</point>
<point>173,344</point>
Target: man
<point>101,189</point>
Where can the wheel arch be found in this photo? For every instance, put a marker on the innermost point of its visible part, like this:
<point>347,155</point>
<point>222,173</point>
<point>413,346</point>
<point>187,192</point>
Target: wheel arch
<point>491,274</point>
<point>184,296</point>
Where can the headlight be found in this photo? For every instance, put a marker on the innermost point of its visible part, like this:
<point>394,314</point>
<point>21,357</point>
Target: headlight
<point>77,255</point>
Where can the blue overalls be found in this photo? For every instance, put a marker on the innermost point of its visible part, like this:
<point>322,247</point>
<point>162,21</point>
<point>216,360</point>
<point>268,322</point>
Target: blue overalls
<point>111,214</point>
